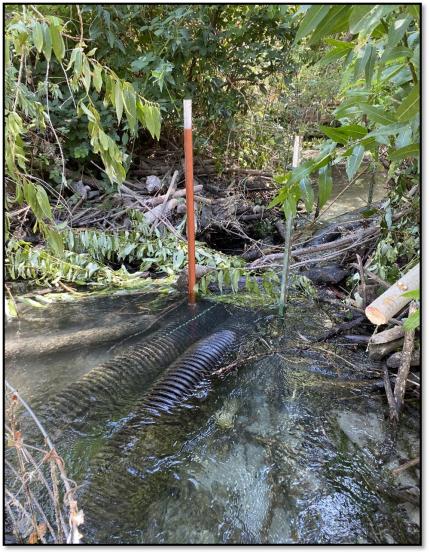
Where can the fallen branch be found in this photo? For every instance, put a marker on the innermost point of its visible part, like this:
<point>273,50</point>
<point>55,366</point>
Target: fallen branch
<point>170,191</point>
<point>152,202</point>
<point>406,465</point>
<point>402,374</point>
<point>346,326</point>
<point>382,344</point>
<point>350,241</point>
<point>395,359</point>
<point>394,416</point>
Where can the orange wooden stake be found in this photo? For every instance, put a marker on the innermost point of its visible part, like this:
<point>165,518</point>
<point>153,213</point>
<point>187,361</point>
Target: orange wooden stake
<point>189,186</point>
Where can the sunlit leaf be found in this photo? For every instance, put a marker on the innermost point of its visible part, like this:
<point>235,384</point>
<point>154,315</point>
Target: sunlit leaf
<point>325,185</point>
<point>354,161</point>
<point>410,105</point>
<point>38,36</point>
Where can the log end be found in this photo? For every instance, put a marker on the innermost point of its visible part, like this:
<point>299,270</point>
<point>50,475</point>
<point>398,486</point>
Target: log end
<point>375,316</point>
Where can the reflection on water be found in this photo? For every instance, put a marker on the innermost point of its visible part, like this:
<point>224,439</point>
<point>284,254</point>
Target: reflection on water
<point>356,195</point>
<point>276,452</point>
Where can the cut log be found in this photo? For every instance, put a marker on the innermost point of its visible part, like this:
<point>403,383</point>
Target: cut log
<point>395,359</point>
<point>391,301</point>
<point>382,344</point>
<point>388,335</point>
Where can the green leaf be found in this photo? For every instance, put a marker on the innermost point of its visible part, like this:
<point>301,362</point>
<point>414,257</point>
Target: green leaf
<point>362,62</point>
<point>325,185</point>
<point>97,77</point>
<point>152,120</point>
<point>333,55</point>
<point>43,202</point>
<point>38,36</point>
<point>396,53</point>
<point>78,62</point>
<point>409,151</point>
<point>86,73</point>
<point>413,321</point>
<point>314,15</point>
<point>279,198</point>
<point>364,18</point>
<point>370,65</point>
<point>118,101</point>
<point>413,294</point>
<point>388,130</point>
<point>31,302</point>
<point>358,17</point>
<point>220,280</point>
<point>307,194</point>
<point>397,31</point>
<point>55,241</point>
<point>335,21</point>
<point>354,161</point>
<point>104,139</point>
<point>344,133</point>
<point>57,42</point>
<point>47,42</point>
<point>410,105</point>
<point>377,114</point>
<point>302,171</point>
<point>345,45</point>
<point>414,10</point>
<point>129,97</point>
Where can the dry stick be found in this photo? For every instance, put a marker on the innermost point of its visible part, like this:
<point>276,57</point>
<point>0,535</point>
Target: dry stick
<point>402,374</point>
<point>406,465</point>
<point>170,190</point>
<point>389,392</point>
<point>44,481</point>
<point>17,439</point>
<point>288,232</point>
<point>346,326</point>
<point>56,500</point>
<point>74,534</point>
<point>373,276</point>
<point>334,255</point>
<point>362,279</point>
<point>335,244</point>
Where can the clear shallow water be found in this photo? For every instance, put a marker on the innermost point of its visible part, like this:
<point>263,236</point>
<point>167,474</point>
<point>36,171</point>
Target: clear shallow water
<point>278,451</point>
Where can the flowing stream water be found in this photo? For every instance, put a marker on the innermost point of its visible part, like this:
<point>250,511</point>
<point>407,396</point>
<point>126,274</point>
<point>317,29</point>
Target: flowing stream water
<point>292,445</point>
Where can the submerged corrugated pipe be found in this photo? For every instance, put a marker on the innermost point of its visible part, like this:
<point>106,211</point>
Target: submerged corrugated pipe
<point>105,385</point>
<point>110,486</point>
<point>185,375</point>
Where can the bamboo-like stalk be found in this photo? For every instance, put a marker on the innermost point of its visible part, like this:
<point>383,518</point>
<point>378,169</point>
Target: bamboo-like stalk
<point>288,232</point>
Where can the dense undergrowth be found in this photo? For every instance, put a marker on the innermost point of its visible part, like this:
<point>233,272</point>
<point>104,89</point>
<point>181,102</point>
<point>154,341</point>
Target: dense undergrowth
<point>90,88</point>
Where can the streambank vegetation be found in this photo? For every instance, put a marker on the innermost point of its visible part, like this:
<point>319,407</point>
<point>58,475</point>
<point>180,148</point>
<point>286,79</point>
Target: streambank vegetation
<point>95,197</point>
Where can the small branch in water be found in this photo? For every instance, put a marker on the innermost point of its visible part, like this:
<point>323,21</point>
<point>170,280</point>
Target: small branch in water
<point>394,416</point>
<point>407,465</point>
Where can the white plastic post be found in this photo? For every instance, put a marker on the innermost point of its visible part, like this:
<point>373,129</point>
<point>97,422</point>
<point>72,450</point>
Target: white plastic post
<point>187,114</point>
